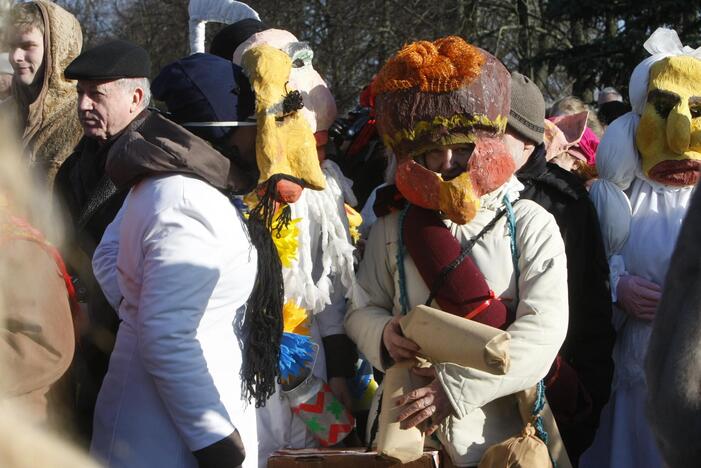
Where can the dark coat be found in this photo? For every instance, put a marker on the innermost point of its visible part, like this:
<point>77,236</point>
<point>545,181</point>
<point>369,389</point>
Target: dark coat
<point>673,363</point>
<point>579,386</point>
<point>90,201</point>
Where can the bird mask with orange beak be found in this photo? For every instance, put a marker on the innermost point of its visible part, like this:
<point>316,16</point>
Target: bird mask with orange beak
<point>432,95</point>
<point>278,63</point>
<point>285,145</point>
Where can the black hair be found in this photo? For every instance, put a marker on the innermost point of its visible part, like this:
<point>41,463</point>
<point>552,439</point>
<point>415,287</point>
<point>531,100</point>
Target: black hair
<point>262,323</point>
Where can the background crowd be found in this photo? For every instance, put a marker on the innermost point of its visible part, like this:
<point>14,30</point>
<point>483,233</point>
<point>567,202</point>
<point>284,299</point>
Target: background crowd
<point>291,238</point>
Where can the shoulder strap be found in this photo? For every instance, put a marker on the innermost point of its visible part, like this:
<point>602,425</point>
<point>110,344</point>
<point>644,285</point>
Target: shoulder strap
<point>465,251</point>
<point>443,275</point>
<point>511,222</point>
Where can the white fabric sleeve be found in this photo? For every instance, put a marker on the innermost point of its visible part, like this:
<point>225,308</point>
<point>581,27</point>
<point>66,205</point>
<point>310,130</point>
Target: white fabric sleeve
<point>617,162</point>
<point>180,272</point>
<point>330,320</point>
<point>372,302</point>
<point>617,268</point>
<point>104,261</point>
<point>539,329</point>
<point>614,212</point>
<point>617,159</point>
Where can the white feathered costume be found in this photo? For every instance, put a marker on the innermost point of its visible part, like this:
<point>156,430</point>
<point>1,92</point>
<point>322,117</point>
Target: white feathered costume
<point>322,275</point>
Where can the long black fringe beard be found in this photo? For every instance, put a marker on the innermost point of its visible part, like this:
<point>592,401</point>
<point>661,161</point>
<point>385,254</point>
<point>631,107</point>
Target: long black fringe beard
<point>265,209</point>
<point>263,321</point>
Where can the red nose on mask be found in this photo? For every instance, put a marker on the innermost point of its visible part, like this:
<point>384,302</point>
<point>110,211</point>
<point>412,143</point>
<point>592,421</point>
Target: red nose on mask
<point>287,191</point>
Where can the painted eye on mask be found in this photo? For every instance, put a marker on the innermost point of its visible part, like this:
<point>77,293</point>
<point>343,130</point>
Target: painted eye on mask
<point>663,101</point>
<point>695,108</point>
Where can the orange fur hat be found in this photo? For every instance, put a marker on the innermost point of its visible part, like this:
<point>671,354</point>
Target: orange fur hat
<point>430,89</point>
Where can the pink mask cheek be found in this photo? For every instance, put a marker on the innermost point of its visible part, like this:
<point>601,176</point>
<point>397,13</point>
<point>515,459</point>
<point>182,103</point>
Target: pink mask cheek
<point>491,165</point>
<point>418,185</point>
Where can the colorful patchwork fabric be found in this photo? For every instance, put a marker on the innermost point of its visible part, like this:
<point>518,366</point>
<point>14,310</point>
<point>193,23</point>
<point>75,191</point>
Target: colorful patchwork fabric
<point>325,417</point>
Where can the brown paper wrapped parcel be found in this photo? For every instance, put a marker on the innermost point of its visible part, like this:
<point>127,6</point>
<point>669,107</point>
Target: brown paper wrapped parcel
<point>445,337</point>
<point>442,337</point>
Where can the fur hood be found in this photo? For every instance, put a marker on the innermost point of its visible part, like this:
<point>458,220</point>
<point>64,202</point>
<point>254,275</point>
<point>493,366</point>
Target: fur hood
<point>50,122</point>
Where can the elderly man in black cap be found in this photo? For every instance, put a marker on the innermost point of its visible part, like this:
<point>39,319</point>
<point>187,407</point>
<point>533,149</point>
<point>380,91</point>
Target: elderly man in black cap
<point>113,93</point>
<point>113,87</point>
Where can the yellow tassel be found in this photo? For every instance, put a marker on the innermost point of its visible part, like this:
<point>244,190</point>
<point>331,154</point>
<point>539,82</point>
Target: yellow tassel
<point>354,222</point>
<point>286,241</point>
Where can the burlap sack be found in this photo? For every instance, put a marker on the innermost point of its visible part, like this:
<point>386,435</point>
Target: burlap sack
<point>527,450</point>
<point>405,445</point>
<point>444,337</point>
<point>523,451</point>
<point>526,400</point>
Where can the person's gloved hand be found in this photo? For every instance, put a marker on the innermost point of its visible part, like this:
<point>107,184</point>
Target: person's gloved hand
<point>229,452</point>
<point>638,296</point>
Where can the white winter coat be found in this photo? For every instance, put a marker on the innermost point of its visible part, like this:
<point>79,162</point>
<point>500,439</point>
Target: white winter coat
<point>483,411</point>
<point>178,264</point>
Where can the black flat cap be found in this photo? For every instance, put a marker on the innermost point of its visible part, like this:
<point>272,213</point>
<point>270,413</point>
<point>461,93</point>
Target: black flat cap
<point>110,61</point>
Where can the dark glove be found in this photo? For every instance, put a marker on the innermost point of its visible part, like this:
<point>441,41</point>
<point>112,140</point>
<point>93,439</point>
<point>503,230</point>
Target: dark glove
<point>227,453</point>
<point>341,356</point>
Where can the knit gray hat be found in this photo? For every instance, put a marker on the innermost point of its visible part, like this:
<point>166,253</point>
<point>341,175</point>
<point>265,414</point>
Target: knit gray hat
<point>527,108</point>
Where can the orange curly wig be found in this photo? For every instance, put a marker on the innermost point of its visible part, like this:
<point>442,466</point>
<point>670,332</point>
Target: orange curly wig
<point>433,67</point>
